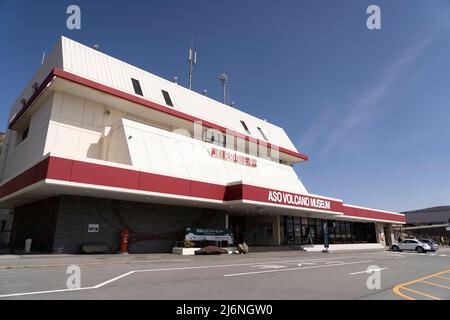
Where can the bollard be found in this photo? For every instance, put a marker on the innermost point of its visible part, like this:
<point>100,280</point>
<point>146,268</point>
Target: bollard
<point>28,245</point>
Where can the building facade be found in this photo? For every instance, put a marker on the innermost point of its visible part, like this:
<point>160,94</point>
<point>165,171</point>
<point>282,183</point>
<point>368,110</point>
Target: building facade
<point>428,223</point>
<point>5,214</point>
<point>95,145</point>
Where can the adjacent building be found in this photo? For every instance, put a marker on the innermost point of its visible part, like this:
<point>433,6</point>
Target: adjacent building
<point>428,223</point>
<point>95,145</point>
<point>5,214</point>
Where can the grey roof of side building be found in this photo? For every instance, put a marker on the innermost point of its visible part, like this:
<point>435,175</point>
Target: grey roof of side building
<point>429,215</point>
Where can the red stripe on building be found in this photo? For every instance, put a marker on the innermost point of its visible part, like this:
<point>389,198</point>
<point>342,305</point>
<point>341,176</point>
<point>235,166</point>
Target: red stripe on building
<point>101,175</point>
<point>156,183</point>
<point>108,176</point>
<point>372,214</point>
<point>208,190</point>
<point>29,177</point>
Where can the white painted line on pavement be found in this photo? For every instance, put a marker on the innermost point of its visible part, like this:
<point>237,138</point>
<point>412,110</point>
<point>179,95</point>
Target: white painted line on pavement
<point>366,271</point>
<point>269,266</point>
<point>293,269</point>
<point>42,292</point>
<point>86,264</point>
<point>239,265</point>
<point>66,290</point>
<point>155,270</point>
<point>386,256</point>
<point>114,279</point>
<point>415,253</point>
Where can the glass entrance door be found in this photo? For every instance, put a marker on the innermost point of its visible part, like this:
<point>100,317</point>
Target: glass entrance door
<point>293,233</point>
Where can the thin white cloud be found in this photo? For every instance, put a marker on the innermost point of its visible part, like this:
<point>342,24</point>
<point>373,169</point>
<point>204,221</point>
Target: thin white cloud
<point>365,106</point>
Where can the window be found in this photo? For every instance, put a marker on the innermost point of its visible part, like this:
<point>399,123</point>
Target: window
<point>25,133</point>
<point>319,233</point>
<point>245,127</point>
<point>137,87</point>
<point>269,230</point>
<point>262,134</point>
<point>289,234</point>
<point>308,230</point>
<point>167,98</point>
<point>214,137</point>
<point>349,232</point>
<point>3,226</point>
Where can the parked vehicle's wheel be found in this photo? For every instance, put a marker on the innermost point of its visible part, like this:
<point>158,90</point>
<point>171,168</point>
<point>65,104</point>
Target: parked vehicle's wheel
<point>420,250</point>
<point>395,248</point>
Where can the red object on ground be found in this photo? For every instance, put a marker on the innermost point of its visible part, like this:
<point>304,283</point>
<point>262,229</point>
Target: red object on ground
<point>124,241</point>
<point>211,250</point>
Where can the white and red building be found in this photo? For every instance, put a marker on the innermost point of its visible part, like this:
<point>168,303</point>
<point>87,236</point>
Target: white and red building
<point>95,145</point>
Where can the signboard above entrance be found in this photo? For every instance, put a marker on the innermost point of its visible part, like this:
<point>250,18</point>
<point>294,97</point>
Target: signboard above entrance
<point>204,234</point>
<point>299,200</point>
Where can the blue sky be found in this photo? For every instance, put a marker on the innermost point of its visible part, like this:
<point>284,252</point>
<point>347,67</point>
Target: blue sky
<point>370,108</point>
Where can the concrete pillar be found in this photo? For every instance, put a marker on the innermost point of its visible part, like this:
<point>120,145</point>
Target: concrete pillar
<point>390,237</point>
<point>276,230</point>
<point>227,219</point>
<point>379,229</point>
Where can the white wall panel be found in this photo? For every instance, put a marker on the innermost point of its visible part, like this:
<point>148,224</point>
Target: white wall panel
<point>67,140</point>
<point>156,154</point>
<point>171,154</point>
<point>72,110</point>
<point>50,141</point>
<point>137,147</point>
<point>40,117</point>
<point>94,114</point>
<point>207,167</point>
<point>25,154</point>
<point>195,164</point>
<point>176,158</point>
<point>77,127</point>
<point>118,151</point>
<point>95,65</point>
<point>21,155</point>
<point>58,98</point>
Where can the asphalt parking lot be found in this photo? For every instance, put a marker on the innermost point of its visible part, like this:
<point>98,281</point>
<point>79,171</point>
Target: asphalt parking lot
<point>289,275</point>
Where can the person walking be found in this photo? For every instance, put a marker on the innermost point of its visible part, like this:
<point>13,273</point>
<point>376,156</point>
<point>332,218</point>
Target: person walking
<point>442,241</point>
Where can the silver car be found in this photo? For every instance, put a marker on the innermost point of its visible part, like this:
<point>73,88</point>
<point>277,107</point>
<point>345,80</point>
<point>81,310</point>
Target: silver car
<point>433,245</point>
<point>411,244</point>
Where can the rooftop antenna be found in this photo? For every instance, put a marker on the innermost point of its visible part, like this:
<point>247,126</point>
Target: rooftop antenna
<point>96,47</point>
<point>224,82</point>
<point>192,62</point>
